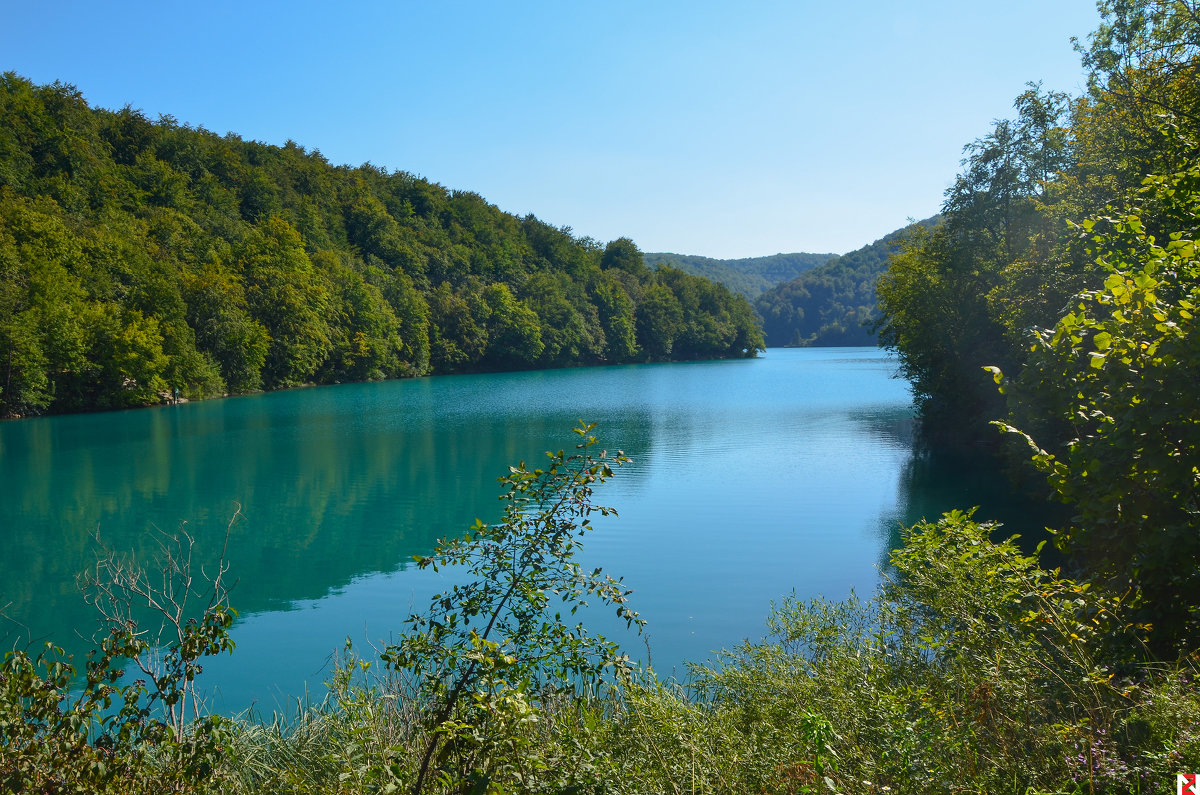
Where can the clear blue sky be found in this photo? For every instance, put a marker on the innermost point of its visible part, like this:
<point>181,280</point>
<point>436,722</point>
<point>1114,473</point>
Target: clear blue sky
<point>726,129</point>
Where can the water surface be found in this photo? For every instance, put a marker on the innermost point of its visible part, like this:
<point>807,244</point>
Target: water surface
<point>751,479</point>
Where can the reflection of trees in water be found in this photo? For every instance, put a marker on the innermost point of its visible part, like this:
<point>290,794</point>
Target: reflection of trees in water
<point>931,485</point>
<point>328,493</point>
<point>893,426</point>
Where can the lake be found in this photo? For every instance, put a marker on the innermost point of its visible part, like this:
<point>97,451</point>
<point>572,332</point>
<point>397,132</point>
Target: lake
<point>750,479</point>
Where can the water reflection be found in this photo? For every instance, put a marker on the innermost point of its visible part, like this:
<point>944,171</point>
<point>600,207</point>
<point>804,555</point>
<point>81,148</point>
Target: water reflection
<point>333,485</point>
<point>931,485</point>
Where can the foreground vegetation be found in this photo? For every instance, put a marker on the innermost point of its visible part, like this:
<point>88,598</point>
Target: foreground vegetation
<point>980,673</point>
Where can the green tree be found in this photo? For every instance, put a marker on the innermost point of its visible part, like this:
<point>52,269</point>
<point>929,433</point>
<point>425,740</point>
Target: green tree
<point>616,318</point>
<point>365,331</point>
<point>45,309</point>
<point>1118,372</point>
<point>286,295</point>
<point>514,334</point>
<point>129,363</point>
<point>934,313</point>
<point>218,310</point>
<point>566,333</point>
<point>413,315</point>
<point>659,321</point>
<point>950,294</point>
<point>485,650</point>
<point>24,382</point>
<point>1143,61</point>
<point>457,338</point>
<point>623,254</point>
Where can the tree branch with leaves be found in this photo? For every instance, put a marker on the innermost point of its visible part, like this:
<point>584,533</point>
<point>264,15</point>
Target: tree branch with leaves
<point>484,651</point>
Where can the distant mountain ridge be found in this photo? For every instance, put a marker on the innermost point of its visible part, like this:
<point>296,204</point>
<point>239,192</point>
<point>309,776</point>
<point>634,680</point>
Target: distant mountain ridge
<point>833,304</point>
<point>750,276</point>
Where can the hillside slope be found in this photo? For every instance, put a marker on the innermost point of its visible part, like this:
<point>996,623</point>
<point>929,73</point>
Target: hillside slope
<point>833,304</point>
<point>750,276</point>
<point>139,259</point>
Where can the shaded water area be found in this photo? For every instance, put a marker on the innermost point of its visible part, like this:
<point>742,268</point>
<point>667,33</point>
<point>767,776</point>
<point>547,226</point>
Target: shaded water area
<point>751,479</point>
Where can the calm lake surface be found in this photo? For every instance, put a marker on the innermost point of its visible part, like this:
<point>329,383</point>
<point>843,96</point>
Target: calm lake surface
<point>751,479</point>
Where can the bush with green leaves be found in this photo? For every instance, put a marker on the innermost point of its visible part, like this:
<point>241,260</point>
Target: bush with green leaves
<point>65,730</point>
<point>58,734</point>
<point>1119,372</point>
<point>974,671</point>
<point>69,730</point>
<point>486,651</point>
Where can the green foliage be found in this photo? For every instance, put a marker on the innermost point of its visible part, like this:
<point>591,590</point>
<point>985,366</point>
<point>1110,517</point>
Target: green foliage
<point>1143,63</point>
<point>976,671</point>
<point>686,317</point>
<point>225,329</point>
<point>1054,230</point>
<point>1117,371</point>
<point>624,255</point>
<point>93,730</point>
<point>61,734</point>
<point>484,650</point>
<point>946,302</point>
<point>935,315</point>
<point>615,308</point>
<point>514,333</point>
<point>1009,258</point>
<point>145,257</point>
<point>285,293</point>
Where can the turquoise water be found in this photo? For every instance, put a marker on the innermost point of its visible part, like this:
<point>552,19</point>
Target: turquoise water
<point>751,479</point>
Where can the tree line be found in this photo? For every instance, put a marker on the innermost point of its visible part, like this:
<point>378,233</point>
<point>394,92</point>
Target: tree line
<point>144,258</point>
<point>1058,295</point>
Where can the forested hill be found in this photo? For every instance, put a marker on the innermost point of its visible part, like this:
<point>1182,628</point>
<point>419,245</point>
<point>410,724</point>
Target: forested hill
<point>141,257</point>
<point>751,276</point>
<point>833,304</point>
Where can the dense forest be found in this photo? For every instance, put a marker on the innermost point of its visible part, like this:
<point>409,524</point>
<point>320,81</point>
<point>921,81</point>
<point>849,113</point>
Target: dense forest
<point>832,304</point>
<point>142,258</point>
<point>749,276</point>
<point>1058,296</point>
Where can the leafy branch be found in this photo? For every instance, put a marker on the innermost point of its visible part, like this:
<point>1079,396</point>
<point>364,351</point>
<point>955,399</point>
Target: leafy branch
<point>483,648</point>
